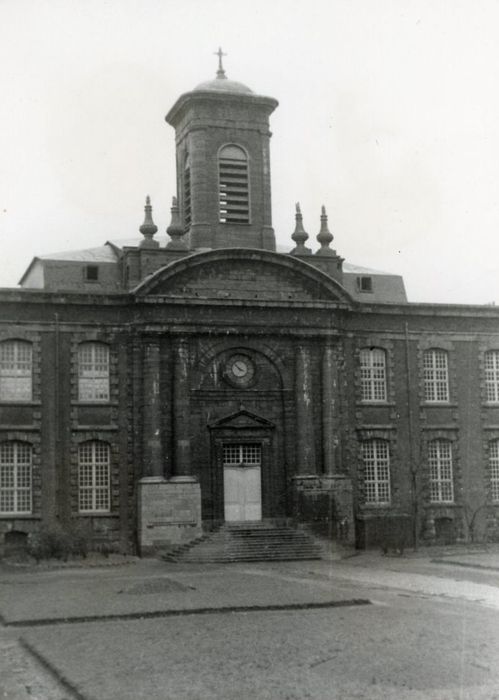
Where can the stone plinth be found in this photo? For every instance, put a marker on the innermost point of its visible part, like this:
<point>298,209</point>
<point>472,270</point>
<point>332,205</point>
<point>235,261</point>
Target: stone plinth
<point>169,513</point>
<point>324,502</point>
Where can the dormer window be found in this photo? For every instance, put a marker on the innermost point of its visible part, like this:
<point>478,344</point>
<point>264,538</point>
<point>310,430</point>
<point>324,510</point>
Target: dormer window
<point>365,284</point>
<point>92,273</point>
<point>233,192</point>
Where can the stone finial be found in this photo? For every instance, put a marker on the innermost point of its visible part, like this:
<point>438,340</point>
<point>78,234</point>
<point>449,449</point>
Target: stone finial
<point>175,230</point>
<point>220,72</point>
<point>325,236</point>
<point>299,235</point>
<point>148,228</point>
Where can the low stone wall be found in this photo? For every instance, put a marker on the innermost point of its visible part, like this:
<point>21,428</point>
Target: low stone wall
<point>324,502</point>
<point>169,513</point>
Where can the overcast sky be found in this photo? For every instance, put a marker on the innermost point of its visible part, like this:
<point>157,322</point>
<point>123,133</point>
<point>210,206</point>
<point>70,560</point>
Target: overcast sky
<point>388,115</point>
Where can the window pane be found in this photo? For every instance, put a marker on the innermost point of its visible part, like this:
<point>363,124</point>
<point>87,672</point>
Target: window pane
<point>376,460</point>
<point>15,477</point>
<point>242,454</point>
<point>94,476</point>
<point>436,381</point>
<point>492,375</point>
<point>494,469</point>
<point>93,372</point>
<point>440,466</point>
<point>373,374</point>
<point>16,367</point>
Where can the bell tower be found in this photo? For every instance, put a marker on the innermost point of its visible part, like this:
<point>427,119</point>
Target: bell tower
<point>223,164</point>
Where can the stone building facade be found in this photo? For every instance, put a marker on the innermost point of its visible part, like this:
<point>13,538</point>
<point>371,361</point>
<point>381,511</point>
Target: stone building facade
<point>153,388</point>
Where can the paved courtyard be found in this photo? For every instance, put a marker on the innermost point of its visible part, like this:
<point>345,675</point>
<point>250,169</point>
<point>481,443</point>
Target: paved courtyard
<point>409,627</point>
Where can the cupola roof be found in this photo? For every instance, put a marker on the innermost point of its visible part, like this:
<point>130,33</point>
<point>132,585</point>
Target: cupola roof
<point>221,83</point>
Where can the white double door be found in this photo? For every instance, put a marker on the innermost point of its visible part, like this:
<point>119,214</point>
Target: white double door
<point>242,482</point>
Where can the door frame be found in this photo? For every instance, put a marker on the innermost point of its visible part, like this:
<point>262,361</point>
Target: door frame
<point>243,468</point>
<point>242,428</point>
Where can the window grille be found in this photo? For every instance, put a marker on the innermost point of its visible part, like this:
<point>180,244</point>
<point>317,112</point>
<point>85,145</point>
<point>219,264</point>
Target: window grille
<point>492,376</point>
<point>494,469</point>
<point>436,376</point>
<point>373,374</point>
<point>93,477</point>
<point>15,477</point>
<point>233,193</point>
<point>376,458</point>
<point>440,463</point>
<point>93,372</point>
<point>247,455</point>
<point>16,370</point>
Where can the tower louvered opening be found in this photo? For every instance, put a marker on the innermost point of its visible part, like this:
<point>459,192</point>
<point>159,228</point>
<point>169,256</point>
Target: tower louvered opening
<point>187,193</point>
<point>233,186</point>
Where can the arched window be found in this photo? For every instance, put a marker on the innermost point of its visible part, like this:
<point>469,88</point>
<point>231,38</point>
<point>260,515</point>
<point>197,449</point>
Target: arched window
<point>492,375</point>
<point>441,477</point>
<point>93,372</point>
<point>15,477</point>
<point>94,477</point>
<point>436,376</point>
<point>187,192</point>
<point>233,193</point>
<point>373,374</point>
<point>494,469</point>
<point>16,370</point>
<point>376,458</point>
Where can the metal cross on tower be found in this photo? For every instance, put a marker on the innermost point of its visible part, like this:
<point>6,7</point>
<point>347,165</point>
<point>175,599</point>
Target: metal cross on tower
<point>220,71</point>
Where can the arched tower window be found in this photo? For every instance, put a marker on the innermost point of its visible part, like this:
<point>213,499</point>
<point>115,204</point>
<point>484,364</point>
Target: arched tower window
<point>233,192</point>
<point>187,192</point>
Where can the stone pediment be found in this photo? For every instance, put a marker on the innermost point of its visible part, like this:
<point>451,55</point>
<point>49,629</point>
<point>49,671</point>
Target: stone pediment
<point>243,274</point>
<point>242,419</point>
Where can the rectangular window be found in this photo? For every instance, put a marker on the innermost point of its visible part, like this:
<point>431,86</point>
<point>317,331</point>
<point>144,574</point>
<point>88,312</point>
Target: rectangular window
<point>440,463</point>
<point>93,372</point>
<point>242,455</point>
<point>365,284</point>
<point>92,273</point>
<point>376,458</point>
<point>494,469</point>
<point>436,376</point>
<point>373,374</point>
<point>16,369</point>
<point>15,478</point>
<point>492,376</point>
<point>93,477</point>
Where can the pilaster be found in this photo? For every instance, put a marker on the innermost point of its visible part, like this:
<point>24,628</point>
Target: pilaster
<point>305,441</point>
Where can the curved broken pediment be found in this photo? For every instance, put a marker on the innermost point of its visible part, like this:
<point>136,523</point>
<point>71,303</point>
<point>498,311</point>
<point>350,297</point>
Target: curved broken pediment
<point>243,274</point>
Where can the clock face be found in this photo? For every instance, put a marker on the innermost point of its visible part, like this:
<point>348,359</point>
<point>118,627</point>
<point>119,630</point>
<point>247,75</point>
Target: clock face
<point>240,370</point>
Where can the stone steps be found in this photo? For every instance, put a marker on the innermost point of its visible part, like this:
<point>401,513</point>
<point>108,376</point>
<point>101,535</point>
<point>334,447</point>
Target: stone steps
<point>247,543</point>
